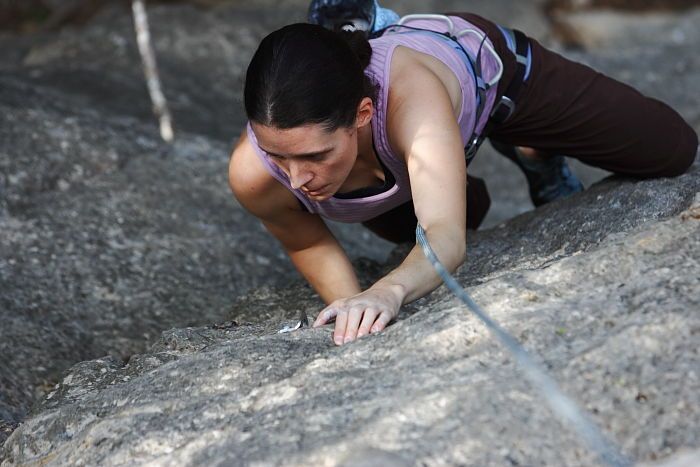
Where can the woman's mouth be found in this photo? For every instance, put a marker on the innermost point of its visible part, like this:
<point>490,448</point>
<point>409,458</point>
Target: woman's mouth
<point>316,191</point>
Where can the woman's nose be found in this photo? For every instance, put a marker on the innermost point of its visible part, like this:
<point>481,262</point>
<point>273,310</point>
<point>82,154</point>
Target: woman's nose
<point>299,175</point>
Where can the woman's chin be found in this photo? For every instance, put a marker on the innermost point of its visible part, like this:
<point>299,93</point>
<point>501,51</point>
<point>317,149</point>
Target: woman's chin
<point>320,197</point>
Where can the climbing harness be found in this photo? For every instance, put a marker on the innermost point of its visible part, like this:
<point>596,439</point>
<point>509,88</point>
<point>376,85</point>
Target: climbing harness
<point>503,109</point>
<point>560,404</point>
<point>517,43</point>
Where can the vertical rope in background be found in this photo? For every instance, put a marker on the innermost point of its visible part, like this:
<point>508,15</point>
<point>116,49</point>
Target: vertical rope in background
<point>143,38</point>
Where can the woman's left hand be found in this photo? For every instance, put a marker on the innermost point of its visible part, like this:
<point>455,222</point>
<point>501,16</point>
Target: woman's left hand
<point>362,314</point>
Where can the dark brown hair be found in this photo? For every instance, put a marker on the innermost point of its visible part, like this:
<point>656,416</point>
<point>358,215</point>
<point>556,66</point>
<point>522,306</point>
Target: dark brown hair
<point>305,74</point>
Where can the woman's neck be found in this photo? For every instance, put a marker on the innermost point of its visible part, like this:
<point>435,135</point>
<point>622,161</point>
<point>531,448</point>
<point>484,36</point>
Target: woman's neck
<point>366,156</point>
<point>367,171</point>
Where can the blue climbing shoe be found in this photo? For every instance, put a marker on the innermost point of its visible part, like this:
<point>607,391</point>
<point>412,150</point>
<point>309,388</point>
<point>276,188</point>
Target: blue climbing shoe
<point>548,179</point>
<point>364,14</point>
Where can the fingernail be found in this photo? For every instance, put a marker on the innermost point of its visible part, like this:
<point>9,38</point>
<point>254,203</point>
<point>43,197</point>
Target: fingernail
<point>361,334</point>
<point>348,339</point>
<point>338,341</point>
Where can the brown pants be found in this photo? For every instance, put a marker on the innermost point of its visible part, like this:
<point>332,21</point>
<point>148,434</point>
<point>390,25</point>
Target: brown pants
<point>567,108</point>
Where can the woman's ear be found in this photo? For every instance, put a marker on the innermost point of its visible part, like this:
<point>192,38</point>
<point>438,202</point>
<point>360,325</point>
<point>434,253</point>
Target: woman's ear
<point>365,111</point>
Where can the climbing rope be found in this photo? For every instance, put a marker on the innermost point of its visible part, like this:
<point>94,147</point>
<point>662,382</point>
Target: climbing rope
<point>561,404</point>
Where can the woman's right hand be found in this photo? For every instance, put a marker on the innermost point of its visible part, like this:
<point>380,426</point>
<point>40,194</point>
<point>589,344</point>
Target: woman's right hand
<point>362,314</point>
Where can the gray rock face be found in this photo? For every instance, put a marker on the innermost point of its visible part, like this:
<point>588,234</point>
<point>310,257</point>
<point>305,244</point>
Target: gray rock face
<point>110,237</point>
<point>615,321</point>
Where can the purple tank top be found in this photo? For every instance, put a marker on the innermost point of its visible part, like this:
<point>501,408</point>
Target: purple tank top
<point>365,208</point>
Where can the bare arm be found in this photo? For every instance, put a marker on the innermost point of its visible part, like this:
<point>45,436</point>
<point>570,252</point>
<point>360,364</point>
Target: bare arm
<point>422,126</point>
<point>311,246</point>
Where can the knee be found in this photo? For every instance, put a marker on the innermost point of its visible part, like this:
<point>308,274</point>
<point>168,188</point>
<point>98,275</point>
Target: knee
<point>685,154</point>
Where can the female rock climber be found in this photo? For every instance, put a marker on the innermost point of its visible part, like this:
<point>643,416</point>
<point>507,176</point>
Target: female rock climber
<point>377,131</point>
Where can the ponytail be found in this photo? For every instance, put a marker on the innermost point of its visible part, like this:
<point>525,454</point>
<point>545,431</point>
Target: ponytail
<point>358,43</point>
<point>357,40</point>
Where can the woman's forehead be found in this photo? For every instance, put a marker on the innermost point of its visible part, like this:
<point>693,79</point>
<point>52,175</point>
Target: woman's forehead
<point>271,130</point>
<point>298,140</point>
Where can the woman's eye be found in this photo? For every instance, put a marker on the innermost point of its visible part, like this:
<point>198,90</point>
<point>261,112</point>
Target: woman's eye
<point>313,158</point>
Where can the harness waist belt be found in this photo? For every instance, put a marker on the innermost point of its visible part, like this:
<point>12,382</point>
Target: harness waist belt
<point>519,44</point>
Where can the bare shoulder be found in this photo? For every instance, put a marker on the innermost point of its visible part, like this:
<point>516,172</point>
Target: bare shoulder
<point>421,97</point>
<point>411,68</point>
<point>254,187</point>
<point>408,70</point>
